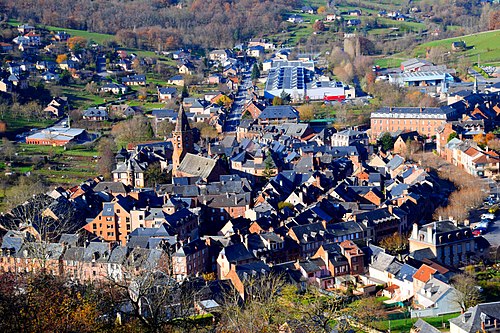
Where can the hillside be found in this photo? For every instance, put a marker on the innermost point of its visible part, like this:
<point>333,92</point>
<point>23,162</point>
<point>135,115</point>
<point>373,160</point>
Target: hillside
<point>486,44</point>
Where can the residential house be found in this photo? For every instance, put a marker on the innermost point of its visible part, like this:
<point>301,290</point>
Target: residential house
<point>166,94</point>
<point>134,80</point>
<point>114,88</point>
<point>191,259</point>
<point>177,80</point>
<point>95,114</point>
<point>57,106</point>
<point>484,317</point>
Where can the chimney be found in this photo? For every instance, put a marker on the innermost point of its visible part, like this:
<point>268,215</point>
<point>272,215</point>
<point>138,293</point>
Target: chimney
<point>235,199</point>
<point>429,232</point>
<point>440,218</point>
<point>389,208</point>
<point>421,109</point>
<point>466,222</point>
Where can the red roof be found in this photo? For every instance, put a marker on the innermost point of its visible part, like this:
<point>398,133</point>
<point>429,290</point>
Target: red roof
<point>424,273</point>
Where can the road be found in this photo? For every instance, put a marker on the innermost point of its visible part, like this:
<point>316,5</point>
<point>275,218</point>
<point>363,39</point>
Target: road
<point>234,115</point>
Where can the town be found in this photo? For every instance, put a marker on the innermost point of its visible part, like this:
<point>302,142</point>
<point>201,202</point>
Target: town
<point>256,188</point>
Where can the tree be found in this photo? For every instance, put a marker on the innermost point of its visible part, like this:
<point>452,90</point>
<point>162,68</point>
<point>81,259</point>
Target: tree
<point>452,136</point>
<point>386,141</point>
<point>164,129</point>
<point>367,310</point>
<point>255,72</point>
<point>270,168</point>
<point>321,9</point>
<point>154,175</point>
<point>318,26</point>
<point>467,294</point>
<point>61,58</point>
<point>8,149</point>
<point>185,91</point>
<point>75,43</point>
<point>106,152</point>
<point>137,129</point>
<point>277,101</point>
<point>285,97</point>
<point>395,243</point>
<point>306,112</point>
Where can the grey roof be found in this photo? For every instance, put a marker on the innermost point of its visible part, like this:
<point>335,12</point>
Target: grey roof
<point>471,320</point>
<point>237,252</point>
<point>279,112</point>
<point>382,261</point>
<point>413,112</point>
<point>421,326</point>
<point>197,165</point>
<point>113,187</point>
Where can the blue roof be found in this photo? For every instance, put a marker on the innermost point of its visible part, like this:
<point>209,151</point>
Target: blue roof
<point>167,90</point>
<point>406,273</point>
<point>279,111</point>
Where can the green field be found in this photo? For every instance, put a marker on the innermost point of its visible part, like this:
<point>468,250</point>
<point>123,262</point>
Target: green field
<point>404,325</point>
<point>18,124</point>
<point>484,45</point>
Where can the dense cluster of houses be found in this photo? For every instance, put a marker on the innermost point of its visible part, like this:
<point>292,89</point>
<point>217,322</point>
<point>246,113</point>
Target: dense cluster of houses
<point>281,196</point>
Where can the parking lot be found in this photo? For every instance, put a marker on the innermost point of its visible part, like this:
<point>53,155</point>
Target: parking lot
<point>493,232</point>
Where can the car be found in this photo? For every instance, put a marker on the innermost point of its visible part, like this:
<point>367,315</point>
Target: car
<point>488,216</point>
<point>478,232</point>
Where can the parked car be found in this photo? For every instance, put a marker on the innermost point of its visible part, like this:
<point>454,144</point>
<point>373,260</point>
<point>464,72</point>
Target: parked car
<point>493,209</point>
<point>478,232</point>
<point>488,216</point>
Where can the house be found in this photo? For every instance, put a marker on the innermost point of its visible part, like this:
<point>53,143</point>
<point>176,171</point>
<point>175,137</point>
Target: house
<point>232,255</point>
<point>186,68</point>
<point>214,78</point>
<point>5,85</point>
<point>220,55</point>
<point>177,80</point>
<point>25,28</point>
<point>95,114</point>
<point>130,172</point>
<point>435,298</point>
<point>256,51</point>
<point>166,94</point>
<point>458,46</point>
<point>114,88</point>
<point>484,317</point>
<point>354,12</point>
<point>449,242</point>
<point>307,9</point>
<point>353,22</point>
<point>50,76</point>
<point>294,18</point>
<point>134,80</point>
<point>278,114</point>
<point>57,106</point>
<point>191,259</point>
<point>421,326</point>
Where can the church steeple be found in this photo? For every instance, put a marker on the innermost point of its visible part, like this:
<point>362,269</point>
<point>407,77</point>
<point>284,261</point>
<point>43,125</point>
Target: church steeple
<point>182,138</point>
<point>182,124</point>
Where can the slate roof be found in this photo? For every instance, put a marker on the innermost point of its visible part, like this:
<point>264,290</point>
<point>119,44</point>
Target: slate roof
<point>197,165</point>
<point>471,320</point>
<point>279,112</point>
<point>237,252</point>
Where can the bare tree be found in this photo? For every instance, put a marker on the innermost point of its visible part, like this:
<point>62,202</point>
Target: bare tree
<point>467,293</point>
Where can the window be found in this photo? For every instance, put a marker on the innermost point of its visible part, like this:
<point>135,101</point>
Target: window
<point>94,226</point>
<point>117,211</point>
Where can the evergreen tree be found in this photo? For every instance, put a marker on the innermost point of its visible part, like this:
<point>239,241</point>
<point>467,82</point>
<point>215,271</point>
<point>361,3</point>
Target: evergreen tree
<point>255,72</point>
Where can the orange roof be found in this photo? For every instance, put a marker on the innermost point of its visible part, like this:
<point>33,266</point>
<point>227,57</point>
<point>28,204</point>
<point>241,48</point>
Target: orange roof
<point>440,269</point>
<point>471,152</point>
<point>424,273</point>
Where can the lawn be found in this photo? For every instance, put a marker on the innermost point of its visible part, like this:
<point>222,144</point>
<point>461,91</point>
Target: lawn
<point>19,124</point>
<point>404,325</point>
<point>80,98</point>
<point>486,45</point>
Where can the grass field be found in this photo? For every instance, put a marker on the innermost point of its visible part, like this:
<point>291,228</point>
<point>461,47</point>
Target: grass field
<point>404,325</point>
<point>483,46</point>
<point>18,124</point>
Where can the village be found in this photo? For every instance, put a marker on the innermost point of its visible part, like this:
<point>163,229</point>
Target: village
<point>236,172</point>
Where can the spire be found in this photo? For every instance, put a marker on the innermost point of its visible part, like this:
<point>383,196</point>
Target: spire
<point>476,90</point>
<point>182,124</point>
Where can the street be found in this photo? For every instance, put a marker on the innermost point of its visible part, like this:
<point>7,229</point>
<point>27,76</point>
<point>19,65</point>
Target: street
<point>234,115</point>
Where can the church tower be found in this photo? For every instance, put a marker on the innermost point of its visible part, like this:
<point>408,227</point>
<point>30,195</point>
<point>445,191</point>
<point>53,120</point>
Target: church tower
<point>182,138</point>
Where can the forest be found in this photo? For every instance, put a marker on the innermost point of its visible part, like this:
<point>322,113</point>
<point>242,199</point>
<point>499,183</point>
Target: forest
<point>162,24</point>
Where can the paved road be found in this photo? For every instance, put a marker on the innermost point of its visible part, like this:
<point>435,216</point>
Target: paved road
<point>234,115</point>
<point>493,234</point>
